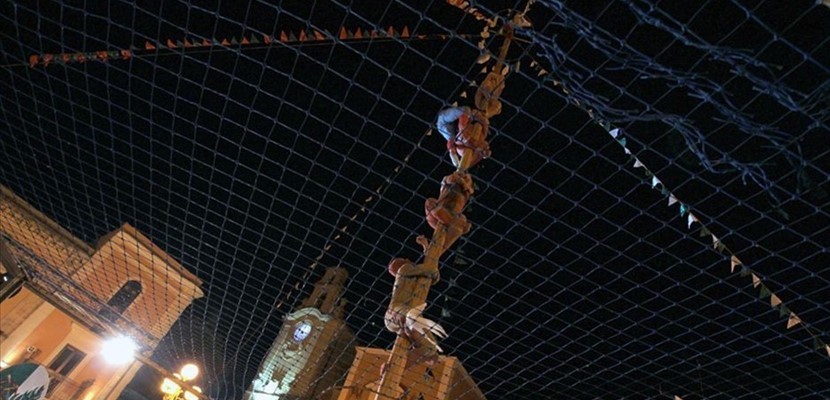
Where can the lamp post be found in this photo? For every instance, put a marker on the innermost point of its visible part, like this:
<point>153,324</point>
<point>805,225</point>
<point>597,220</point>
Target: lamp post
<point>174,391</point>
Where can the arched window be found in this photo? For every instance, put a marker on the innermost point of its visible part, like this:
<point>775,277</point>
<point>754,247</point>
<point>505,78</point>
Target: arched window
<point>122,299</point>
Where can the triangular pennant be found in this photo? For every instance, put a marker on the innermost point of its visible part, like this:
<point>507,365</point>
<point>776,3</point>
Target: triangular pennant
<point>343,34</point>
<point>460,261</point>
<point>774,300</point>
<point>179,43</point>
<point>783,310</point>
<point>254,40</point>
<point>319,35</point>
<point>358,34</point>
<point>405,31</point>
<point>683,209</point>
<point>234,41</point>
<point>622,141</point>
<point>225,42</point>
<point>704,232</point>
<point>672,199</point>
<point>206,42</point>
<point>267,39</point>
<point>676,397</point>
<point>245,40</point>
<point>170,44</point>
<point>291,37</point>
<point>149,46</point>
<point>827,348</point>
<point>374,34</point>
<point>187,43</point>
<point>745,271</point>
<point>764,292</point>
<point>735,262</point>
<point>817,343</point>
<point>655,181</point>
<point>614,132</point>
<point>715,241</point>
<point>303,36</point>
<point>637,163</point>
<point>793,320</point>
<point>463,95</point>
<point>755,280</point>
<point>283,37</point>
<point>691,219</point>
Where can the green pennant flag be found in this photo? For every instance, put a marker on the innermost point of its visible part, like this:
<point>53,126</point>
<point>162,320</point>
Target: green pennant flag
<point>460,261</point>
<point>783,311</point>
<point>720,246</point>
<point>234,41</point>
<point>179,43</point>
<point>704,232</point>
<point>745,271</point>
<point>622,142</point>
<point>764,292</point>
<point>292,37</point>
<point>817,343</point>
<point>683,209</point>
<point>254,39</point>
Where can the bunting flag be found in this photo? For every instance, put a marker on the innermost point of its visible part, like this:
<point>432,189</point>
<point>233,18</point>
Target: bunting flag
<point>793,320</point>
<point>249,41</point>
<point>685,210</point>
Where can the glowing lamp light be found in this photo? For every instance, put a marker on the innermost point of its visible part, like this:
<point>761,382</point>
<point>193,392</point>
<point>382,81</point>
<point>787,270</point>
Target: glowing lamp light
<point>189,372</point>
<point>191,396</point>
<point>169,387</point>
<point>119,350</point>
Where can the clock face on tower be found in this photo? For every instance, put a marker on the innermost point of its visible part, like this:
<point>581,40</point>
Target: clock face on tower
<point>302,331</point>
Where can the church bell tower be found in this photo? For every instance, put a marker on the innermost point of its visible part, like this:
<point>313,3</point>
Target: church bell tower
<point>313,350</point>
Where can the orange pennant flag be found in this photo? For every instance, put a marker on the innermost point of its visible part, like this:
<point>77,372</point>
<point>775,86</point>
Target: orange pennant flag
<point>358,34</point>
<point>187,43</point>
<point>33,60</point>
<point>283,37</point>
<point>170,44</point>
<point>319,35</point>
<point>149,46</point>
<point>244,40</point>
<point>267,39</point>
<point>405,31</point>
<point>126,54</point>
<point>793,321</point>
<point>303,36</point>
<point>390,32</point>
<point>774,300</point>
<point>206,42</point>
<point>225,42</point>
<point>343,34</point>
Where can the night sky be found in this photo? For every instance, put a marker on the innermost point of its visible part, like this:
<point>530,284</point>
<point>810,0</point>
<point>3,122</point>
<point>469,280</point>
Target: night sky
<point>577,279</point>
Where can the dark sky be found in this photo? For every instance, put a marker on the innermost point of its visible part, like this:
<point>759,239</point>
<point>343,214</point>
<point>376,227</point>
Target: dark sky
<point>579,281</point>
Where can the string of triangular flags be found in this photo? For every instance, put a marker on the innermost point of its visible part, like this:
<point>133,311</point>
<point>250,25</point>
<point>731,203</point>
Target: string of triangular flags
<point>310,36</point>
<point>764,292</point>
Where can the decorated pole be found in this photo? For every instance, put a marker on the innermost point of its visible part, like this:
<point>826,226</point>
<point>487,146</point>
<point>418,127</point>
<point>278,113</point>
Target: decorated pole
<point>466,132</point>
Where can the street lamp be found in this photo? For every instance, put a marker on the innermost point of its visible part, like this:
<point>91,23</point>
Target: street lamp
<point>173,391</point>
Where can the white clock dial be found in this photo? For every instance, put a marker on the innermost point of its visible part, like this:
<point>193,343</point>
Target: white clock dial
<point>302,331</point>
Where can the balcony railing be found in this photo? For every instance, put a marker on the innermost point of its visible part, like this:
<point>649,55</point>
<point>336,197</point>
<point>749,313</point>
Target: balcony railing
<point>63,388</point>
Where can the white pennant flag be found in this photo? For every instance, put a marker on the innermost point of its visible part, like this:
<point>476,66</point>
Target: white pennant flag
<point>692,219</point>
<point>774,300</point>
<point>627,151</point>
<point>755,280</point>
<point>676,397</point>
<point>614,132</point>
<point>827,347</point>
<point>735,263</point>
<point>672,199</point>
<point>637,163</point>
<point>655,181</point>
<point>715,241</point>
<point>793,321</point>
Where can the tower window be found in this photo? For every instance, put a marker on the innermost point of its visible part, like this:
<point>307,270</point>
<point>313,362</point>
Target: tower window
<point>122,299</point>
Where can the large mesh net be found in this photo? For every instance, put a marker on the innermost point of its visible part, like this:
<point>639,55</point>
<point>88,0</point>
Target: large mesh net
<point>683,254</point>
